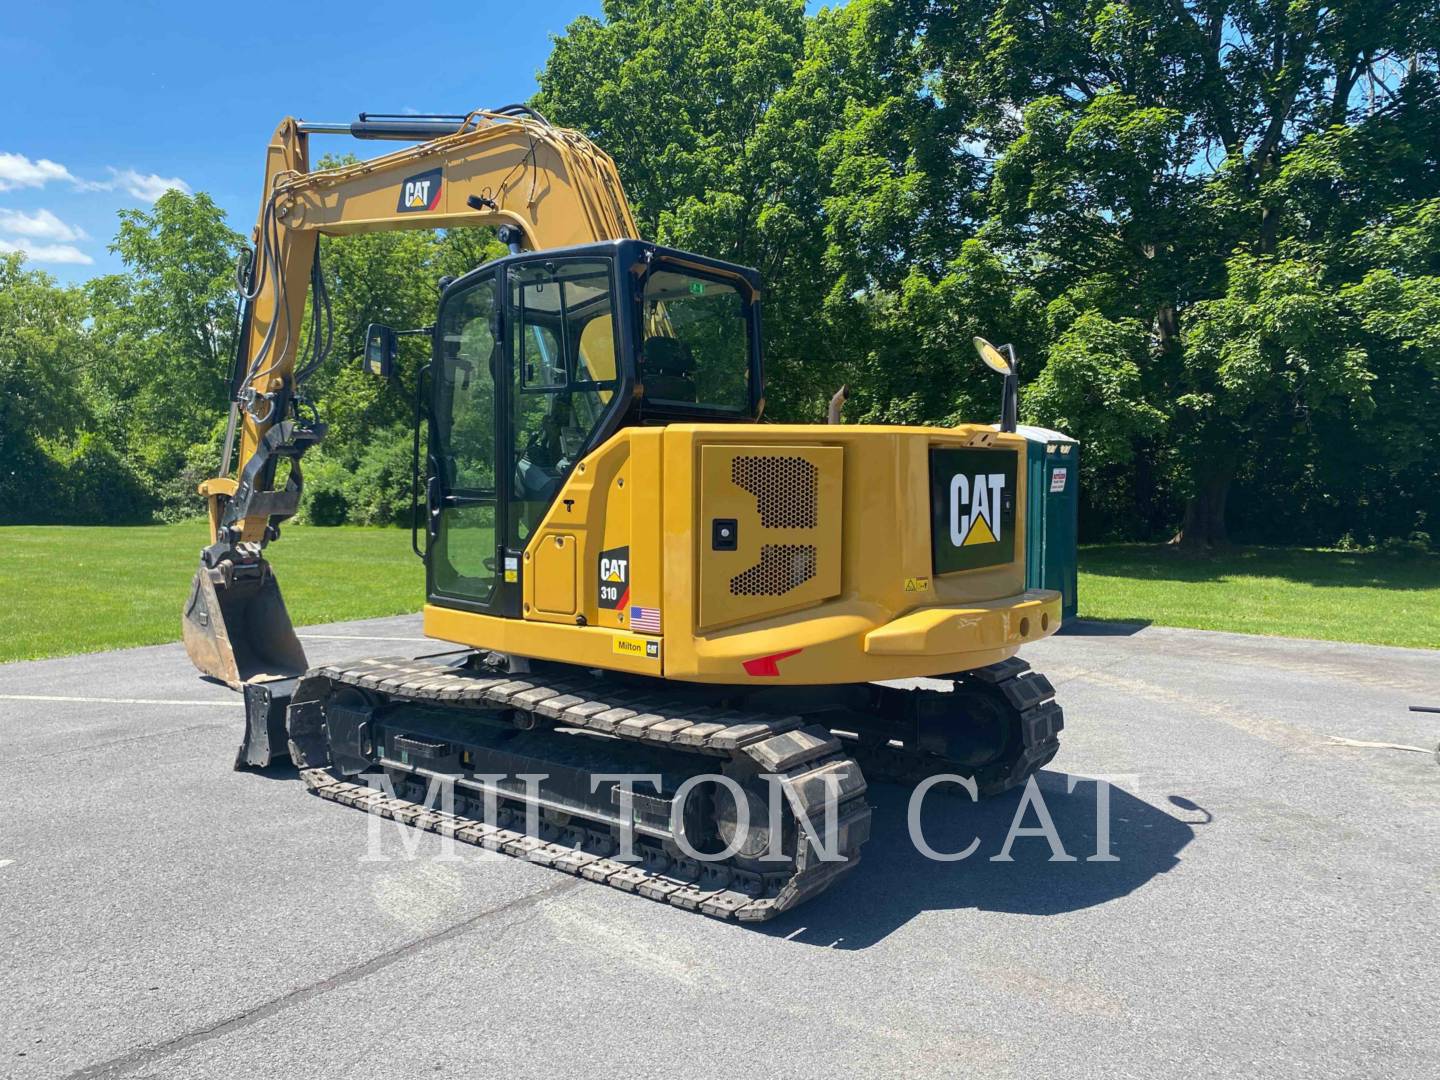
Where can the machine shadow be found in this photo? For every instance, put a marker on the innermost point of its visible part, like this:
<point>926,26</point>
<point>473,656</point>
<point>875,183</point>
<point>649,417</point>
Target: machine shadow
<point>895,882</point>
<point>281,769</point>
<point>1102,627</point>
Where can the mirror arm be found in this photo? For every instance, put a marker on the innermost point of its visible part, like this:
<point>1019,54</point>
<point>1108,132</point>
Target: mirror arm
<point>1010,406</point>
<point>1010,403</point>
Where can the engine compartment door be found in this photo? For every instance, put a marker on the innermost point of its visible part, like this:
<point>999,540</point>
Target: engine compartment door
<point>769,532</point>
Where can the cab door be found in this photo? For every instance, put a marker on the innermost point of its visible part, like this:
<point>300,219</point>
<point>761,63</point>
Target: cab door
<point>524,382</point>
<point>465,564</point>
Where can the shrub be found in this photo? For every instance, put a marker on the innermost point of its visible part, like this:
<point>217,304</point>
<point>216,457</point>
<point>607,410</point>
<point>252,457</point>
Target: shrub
<point>84,482</point>
<point>325,501</point>
<point>1414,546</point>
<point>379,486</point>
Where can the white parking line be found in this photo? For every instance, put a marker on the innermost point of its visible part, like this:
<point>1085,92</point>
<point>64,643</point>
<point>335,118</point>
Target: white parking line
<point>232,703</point>
<point>6,862</point>
<point>1340,740</point>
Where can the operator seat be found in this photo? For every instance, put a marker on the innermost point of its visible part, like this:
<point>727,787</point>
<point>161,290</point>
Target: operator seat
<point>667,368</point>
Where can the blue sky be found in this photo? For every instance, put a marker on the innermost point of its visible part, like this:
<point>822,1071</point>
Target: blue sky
<point>104,104</point>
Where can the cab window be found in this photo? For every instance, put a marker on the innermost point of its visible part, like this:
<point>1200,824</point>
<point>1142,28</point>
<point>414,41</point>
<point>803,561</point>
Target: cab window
<point>696,350</point>
<point>563,377</point>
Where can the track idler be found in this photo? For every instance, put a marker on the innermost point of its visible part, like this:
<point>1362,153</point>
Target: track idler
<point>999,724</point>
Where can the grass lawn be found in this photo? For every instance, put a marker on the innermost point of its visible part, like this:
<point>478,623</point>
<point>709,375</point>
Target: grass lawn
<point>1294,592</point>
<point>68,589</point>
<point>65,589</point>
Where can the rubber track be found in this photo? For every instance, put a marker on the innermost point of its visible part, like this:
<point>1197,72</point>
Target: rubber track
<point>809,760</point>
<point>1029,693</point>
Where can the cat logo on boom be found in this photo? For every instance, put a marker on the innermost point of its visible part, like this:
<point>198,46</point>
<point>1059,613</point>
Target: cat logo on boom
<point>420,192</point>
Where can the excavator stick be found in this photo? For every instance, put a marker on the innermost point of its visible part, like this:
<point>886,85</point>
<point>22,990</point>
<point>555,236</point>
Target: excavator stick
<point>236,627</point>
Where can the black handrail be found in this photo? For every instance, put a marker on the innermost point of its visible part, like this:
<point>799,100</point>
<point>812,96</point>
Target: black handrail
<point>415,471</point>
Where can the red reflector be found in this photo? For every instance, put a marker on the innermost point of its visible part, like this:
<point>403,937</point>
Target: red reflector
<point>768,665</point>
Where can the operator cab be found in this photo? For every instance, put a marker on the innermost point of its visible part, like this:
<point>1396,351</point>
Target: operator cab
<point>539,358</point>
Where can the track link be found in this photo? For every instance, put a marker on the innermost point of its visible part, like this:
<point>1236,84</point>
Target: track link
<point>808,760</point>
<point>1035,718</point>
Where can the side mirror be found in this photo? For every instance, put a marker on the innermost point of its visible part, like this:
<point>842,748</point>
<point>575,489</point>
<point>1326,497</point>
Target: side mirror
<point>1002,362</point>
<point>994,359</point>
<point>382,346</point>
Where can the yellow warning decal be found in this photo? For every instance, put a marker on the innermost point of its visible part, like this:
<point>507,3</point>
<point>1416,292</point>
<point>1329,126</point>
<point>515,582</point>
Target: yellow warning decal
<point>639,647</point>
<point>917,584</point>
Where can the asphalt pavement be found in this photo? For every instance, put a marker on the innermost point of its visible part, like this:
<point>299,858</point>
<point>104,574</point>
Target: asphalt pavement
<point>1270,910</point>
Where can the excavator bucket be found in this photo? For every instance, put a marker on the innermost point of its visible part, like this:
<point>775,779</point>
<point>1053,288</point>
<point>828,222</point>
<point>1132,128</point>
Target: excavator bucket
<point>236,627</point>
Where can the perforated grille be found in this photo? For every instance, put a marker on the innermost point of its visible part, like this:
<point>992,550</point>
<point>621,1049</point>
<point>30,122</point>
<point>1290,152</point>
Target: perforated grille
<point>782,567</point>
<point>783,486</point>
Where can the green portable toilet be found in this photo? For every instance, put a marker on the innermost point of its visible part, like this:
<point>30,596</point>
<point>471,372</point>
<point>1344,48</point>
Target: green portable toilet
<point>1052,513</point>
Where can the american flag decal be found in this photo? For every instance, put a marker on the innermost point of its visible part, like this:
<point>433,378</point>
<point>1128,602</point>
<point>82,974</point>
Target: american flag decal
<point>645,620</point>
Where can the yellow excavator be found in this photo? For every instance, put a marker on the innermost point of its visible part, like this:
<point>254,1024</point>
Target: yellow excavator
<point>666,631</point>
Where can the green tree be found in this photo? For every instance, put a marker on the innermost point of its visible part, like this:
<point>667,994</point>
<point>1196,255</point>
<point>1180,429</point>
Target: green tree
<point>1154,150</point>
<point>1148,198</point>
<point>716,115</point>
<point>1210,227</point>
<point>54,464</point>
<point>42,347</point>
<point>361,473</point>
<point>164,338</point>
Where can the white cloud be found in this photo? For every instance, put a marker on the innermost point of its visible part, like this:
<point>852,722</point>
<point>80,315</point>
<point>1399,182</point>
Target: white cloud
<point>47,253</point>
<point>147,186</point>
<point>41,225</point>
<point>17,171</point>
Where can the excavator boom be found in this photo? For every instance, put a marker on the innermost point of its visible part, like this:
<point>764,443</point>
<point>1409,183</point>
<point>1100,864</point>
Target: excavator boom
<point>541,186</point>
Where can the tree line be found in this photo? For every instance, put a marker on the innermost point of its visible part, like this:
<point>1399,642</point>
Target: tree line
<point>1211,229</point>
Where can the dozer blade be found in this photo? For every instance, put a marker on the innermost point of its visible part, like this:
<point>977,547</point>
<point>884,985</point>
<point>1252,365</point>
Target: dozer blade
<point>238,630</point>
